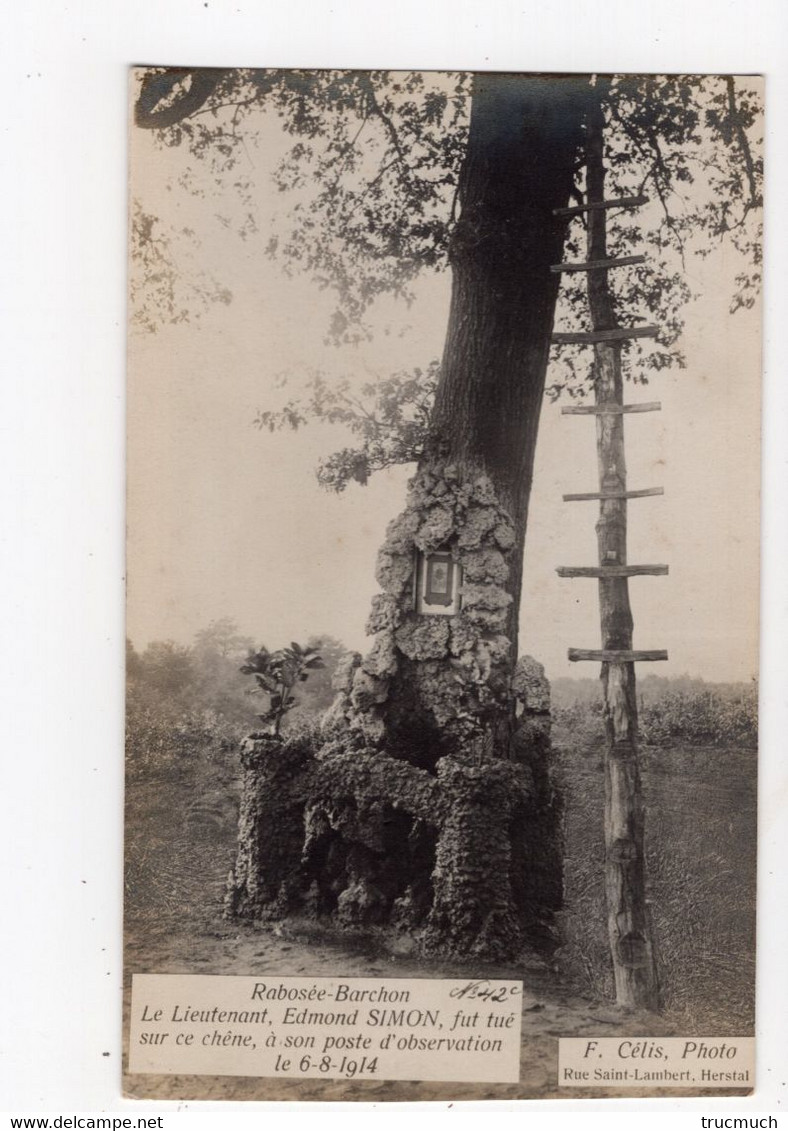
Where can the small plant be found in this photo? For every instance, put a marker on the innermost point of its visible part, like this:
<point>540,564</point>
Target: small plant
<point>276,674</point>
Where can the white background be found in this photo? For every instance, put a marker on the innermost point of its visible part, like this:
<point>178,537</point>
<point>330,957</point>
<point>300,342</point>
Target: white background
<point>62,277</point>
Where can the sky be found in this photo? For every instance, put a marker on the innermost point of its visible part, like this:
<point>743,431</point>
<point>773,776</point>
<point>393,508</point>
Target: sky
<point>225,520</point>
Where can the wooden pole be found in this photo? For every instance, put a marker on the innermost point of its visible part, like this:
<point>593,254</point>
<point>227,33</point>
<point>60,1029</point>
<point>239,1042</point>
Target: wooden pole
<point>609,334</point>
<point>584,497</point>
<point>575,654</point>
<point>597,205</point>
<point>628,919</point>
<point>613,570</point>
<point>615,409</point>
<point>599,264</point>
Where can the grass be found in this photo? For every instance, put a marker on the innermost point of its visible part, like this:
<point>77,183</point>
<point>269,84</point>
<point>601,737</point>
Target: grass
<point>700,859</point>
<point>181,820</point>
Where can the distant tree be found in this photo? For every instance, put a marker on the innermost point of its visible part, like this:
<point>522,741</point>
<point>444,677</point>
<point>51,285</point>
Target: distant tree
<point>316,694</point>
<point>168,668</point>
<point>222,638</point>
<point>217,653</point>
<point>134,666</point>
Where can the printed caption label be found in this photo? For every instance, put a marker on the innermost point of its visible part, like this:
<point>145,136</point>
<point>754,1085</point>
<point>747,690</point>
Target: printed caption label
<point>656,1062</point>
<point>335,1028</point>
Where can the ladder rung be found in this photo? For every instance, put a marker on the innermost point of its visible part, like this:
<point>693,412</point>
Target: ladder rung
<point>606,335</point>
<point>610,409</point>
<point>595,205</point>
<point>612,571</point>
<point>643,493</point>
<point>599,264</point>
<point>615,656</point>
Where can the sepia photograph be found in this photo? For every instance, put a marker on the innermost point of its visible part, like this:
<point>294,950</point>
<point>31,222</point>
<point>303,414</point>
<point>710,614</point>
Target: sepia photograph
<point>443,458</point>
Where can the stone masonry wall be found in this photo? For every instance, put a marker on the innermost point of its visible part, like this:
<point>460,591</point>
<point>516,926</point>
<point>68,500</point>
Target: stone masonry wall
<point>405,809</point>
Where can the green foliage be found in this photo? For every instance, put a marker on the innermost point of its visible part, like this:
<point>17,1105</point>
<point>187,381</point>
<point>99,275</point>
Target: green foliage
<point>180,699</point>
<point>703,719</point>
<point>384,151</point>
<point>276,674</point>
<point>134,669</point>
<point>390,417</point>
<point>316,694</point>
<point>203,677</point>
<point>161,290</point>
<point>724,716</point>
<point>182,771</point>
<point>692,144</point>
<point>222,638</point>
<point>167,668</point>
<point>163,734</point>
<point>379,151</point>
<point>372,176</point>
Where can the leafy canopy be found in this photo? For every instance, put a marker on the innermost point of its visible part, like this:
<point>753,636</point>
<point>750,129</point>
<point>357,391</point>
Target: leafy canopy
<point>372,173</point>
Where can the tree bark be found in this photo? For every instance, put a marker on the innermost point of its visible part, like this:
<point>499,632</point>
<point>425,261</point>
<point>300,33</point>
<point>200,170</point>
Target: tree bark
<point>629,928</point>
<point>157,87</point>
<point>522,150</point>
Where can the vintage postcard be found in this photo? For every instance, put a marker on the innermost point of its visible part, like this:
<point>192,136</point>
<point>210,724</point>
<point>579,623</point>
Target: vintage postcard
<point>443,493</point>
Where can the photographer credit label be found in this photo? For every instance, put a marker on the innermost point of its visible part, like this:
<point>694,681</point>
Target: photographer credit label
<point>664,1062</point>
<point>334,1028</point>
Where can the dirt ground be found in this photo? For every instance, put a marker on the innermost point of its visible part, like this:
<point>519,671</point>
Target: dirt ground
<point>180,846</point>
<point>549,1011</point>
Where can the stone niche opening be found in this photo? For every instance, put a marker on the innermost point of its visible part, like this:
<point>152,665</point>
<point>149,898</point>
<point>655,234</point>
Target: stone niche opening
<point>368,866</point>
<point>437,576</point>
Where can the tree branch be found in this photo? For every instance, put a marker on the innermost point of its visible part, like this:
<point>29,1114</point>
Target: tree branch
<point>156,88</point>
<point>387,122</point>
<point>656,167</point>
<point>744,145</point>
<point>347,149</point>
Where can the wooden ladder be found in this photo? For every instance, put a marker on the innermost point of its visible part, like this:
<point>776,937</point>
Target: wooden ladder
<point>612,493</point>
<point>630,931</point>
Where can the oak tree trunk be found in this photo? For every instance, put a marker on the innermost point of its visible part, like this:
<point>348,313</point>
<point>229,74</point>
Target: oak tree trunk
<point>437,690</point>
<point>522,151</point>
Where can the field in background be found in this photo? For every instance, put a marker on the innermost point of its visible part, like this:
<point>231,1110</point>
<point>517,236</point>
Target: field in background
<point>678,711</point>
<point>699,777</point>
